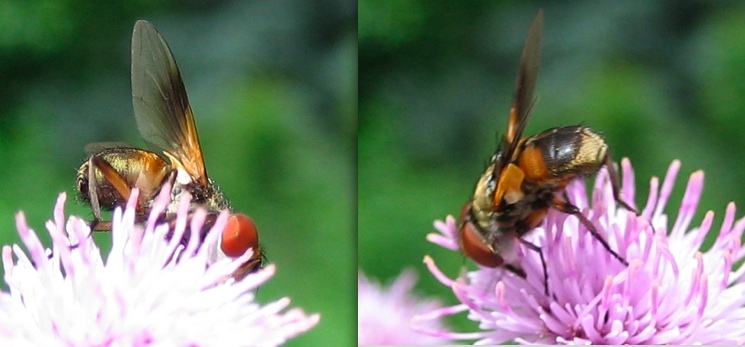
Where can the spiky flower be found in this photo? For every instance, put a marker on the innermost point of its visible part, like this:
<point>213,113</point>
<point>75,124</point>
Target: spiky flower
<point>384,313</point>
<point>148,291</point>
<point>672,292</point>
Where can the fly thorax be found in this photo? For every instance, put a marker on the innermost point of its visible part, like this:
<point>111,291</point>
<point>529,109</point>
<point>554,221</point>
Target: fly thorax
<point>482,197</point>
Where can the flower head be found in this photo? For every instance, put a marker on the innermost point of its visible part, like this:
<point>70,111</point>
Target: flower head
<point>148,291</point>
<point>385,313</point>
<point>672,292</point>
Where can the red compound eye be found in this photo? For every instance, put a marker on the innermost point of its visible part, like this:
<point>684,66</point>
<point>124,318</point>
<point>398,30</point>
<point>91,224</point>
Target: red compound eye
<point>239,235</point>
<point>473,245</point>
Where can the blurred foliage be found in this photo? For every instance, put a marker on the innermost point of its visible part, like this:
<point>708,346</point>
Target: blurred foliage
<point>662,80</point>
<point>273,88</point>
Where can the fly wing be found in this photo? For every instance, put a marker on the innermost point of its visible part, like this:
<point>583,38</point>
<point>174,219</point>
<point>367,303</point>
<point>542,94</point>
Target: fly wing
<point>523,101</point>
<point>161,106</point>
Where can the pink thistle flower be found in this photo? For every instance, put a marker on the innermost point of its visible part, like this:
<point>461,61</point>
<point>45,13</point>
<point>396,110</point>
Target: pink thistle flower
<point>672,292</point>
<point>384,314</point>
<point>148,291</point>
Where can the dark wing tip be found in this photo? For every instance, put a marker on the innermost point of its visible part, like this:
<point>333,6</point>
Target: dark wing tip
<point>530,62</point>
<point>539,16</point>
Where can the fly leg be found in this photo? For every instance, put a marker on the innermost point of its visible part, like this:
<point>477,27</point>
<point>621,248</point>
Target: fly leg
<point>543,262</point>
<point>516,270</point>
<point>614,181</point>
<point>615,184</point>
<point>112,177</point>
<point>521,273</point>
<point>566,207</point>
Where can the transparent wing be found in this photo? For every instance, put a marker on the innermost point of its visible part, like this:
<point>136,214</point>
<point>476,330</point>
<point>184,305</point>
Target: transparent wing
<point>523,100</point>
<point>161,105</point>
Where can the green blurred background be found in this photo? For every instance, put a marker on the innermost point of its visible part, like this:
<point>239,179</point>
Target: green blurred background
<point>662,80</point>
<point>273,86</point>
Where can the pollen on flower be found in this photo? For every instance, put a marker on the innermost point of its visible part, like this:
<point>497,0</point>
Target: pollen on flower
<point>152,288</point>
<point>665,295</point>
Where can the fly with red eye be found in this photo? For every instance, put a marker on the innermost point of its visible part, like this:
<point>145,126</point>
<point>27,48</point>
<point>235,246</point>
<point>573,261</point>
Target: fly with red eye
<point>166,123</point>
<point>527,176</point>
